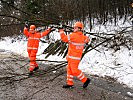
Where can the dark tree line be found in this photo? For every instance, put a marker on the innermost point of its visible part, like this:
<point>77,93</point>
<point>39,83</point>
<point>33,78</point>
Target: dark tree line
<point>13,13</point>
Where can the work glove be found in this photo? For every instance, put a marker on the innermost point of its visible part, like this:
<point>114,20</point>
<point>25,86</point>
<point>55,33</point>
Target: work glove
<point>60,27</point>
<point>26,24</point>
<point>51,28</point>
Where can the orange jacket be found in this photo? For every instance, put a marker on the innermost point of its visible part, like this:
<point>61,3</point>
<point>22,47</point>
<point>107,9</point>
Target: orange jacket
<point>33,39</point>
<point>76,41</point>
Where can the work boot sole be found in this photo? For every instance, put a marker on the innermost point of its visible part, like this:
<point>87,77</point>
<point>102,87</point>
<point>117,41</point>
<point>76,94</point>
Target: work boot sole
<point>68,86</point>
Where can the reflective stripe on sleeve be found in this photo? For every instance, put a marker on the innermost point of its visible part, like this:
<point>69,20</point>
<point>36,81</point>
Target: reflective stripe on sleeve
<point>41,34</point>
<point>61,32</point>
<point>68,36</point>
<point>86,40</point>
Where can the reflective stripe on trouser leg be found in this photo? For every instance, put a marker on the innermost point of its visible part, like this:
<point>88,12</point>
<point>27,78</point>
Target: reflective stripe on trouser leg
<point>33,58</point>
<point>32,63</point>
<point>31,68</point>
<point>69,76</point>
<point>76,72</point>
<point>36,65</point>
<point>82,77</point>
<point>69,79</point>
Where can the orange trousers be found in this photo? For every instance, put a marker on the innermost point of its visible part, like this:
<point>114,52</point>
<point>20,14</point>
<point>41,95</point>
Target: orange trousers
<point>32,56</point>
<point>72,70</point>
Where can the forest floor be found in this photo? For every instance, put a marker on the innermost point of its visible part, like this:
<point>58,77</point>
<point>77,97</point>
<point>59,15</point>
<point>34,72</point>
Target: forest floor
<point>45,84</point>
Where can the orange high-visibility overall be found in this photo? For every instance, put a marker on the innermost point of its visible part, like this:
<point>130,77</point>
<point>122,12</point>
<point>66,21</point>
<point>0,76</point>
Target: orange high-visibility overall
<point>76,41</point>
<point>32,45</point>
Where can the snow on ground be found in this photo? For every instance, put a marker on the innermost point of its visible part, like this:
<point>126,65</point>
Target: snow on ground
<point>118,65</point>
<point>19,46</point>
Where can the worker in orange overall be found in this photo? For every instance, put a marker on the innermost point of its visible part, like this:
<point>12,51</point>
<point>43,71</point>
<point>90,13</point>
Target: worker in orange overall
<point>76,41</point>
<point>33,44</point>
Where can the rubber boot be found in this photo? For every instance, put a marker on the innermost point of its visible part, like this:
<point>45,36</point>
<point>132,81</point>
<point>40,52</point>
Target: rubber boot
<point>86,83</point>
<point>36,68</point>
<point>30,73</point>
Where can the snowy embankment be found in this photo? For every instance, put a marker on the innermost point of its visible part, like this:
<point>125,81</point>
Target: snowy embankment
<point>118,65</point>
